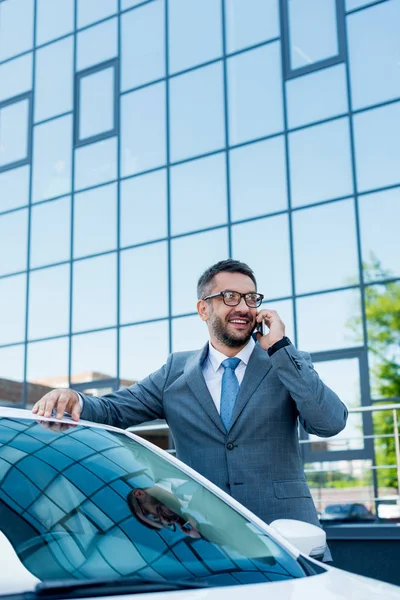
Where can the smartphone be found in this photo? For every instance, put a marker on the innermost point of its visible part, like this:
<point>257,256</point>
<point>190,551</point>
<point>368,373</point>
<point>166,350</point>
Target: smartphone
<point>259,328</point>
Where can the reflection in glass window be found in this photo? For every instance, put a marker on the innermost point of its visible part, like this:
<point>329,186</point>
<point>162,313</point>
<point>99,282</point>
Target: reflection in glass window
<point>250,22</point>
<point>273,281</point>
<point>190,256</point>
<point>329,321</point>
<point>255,94</point>
<point>194,33</point>
<point>284,308</point>
<point>376,134</point>
<point>143,45</point>
<point>353,4</point>
<point>14,188</point>
<point>95,221</point>
<point>13,241</point>
<point>96,163</point>
<point>52,150</point>
<point>49,302</point>
<point>14,132</point>
<point>94,355</point>
<point>96,103</point>
<point>16,27</point>
<point>16,77</point>
<point>12,369</point>
<point>53,19</point>
<point>380,240</point>
<point>143,143</point>
<point>320,163</point>
<point>47,367</point>
<point>188,333</point>
<point>12,309</point>
<point>312,31</point>
<point>139,355</point>
<point>89,11</point>
<point>317,96</point>
<point>197,127</point>
<point>142,198</point>
<point>97,44</point>
<point>129,3</point>
<point>320,261</point>
<point>50,232</point>
<point>198,194</point>
<point>144,283</point>
<point>258,179</point>
<point>54,79</point>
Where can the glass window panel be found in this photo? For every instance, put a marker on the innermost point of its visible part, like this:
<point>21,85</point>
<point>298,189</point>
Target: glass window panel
<point>49,302</point>
<point>380,238</point>
<point>53,19</point>
<point>97,44</point>
<point>194,33</point>
<point>255,94</point>
<point>258,179</point>
<point>47,367</point>
<point>190,256</point>
<point>197,127</point>
<point>94,355</point>
<point>352,4</point>
<point>95,221</point>
<point>284,308</point>
<point>96,163</point>
<point>89,11</point>
<point>129,3</point>
<point>144,283</point>
<point>317,96</point>
<point>188,333</point>
<point>198,183</point>
<point>99,307</point>
<point>53,79</point>
<point>376,135</point>
<point>139,354</point>
<point>142,198</point>
<point>16,27</point>
<point>11,374</point>
<point>12,309</point>
<point>250,22</point>
<point>329,321</point>
<point>50,232</point>
<point>320,163</point>
<point>96,103</point>
<point>143,45</point>
<point>143,137</point>
<point>16,77</point>
<point>320,262</point>
<point>248,245</point>
<point>14,188</point>
<point>13,241</point>
<point>14,119</point>
<point>312,31</point>
<point>52,150</point>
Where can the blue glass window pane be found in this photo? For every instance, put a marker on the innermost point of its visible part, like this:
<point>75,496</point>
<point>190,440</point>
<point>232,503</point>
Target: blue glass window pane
<point>49,302</point>
<point>50,244</point>
<point>53,19</point>
<point>89,11</point>
<point>195,33</point>
<point>143,45</point>
<point>258,179</point>
<point>321,155</point>
<point>352,4</point>
<point>96,103</point>
<point>16,27</point>
<point>12,309</point>
<point>14,188</point>
<point>95,163</point>
<point>181,341</point>
<point>94,354</point>
<point>16,77</point>
<point>255,94</point>
<point>99,206</point>
<point>54,79</point>
<point>97,44</point>
<point>198,183</point>
<point>250,22</point>
<point>52,151</point>
<point>197,126</point>
<point>143,137</point>
<point>144,208</point>
<point>130,3</point>
<point>47,362</point>
<point>14,119</point>
<point>13,241</point>
<point>312,31</point>
<point>139,354</point>
<point>12,367</point>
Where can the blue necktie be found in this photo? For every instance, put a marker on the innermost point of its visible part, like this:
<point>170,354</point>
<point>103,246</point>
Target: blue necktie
<point>229,390</point>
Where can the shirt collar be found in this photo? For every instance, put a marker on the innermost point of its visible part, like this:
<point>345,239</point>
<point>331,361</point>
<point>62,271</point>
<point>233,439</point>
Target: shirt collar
<point>217,357</point>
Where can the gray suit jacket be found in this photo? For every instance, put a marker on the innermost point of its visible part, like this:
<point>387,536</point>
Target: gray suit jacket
<point>258,460</point>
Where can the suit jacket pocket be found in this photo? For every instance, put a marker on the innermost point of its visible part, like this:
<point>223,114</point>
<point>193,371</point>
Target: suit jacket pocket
<point>291,488</point>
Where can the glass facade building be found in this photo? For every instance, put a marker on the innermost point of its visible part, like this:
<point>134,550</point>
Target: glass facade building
<point>141,142</point>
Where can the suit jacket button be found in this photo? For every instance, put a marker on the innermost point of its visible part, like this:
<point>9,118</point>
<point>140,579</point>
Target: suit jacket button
<point>229,446</point>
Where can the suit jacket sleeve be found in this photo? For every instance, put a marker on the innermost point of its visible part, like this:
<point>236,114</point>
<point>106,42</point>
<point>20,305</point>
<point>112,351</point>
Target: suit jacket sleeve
<point>321,412</point>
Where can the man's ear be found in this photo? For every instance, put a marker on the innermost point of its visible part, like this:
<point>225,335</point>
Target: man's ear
<point>202,309</point>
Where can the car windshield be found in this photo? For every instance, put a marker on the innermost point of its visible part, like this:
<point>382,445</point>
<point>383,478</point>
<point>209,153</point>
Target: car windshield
<point>337,509</point>
<point>88,502</point>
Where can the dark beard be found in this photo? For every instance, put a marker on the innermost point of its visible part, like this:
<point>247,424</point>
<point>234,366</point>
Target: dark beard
<point>219,330</point>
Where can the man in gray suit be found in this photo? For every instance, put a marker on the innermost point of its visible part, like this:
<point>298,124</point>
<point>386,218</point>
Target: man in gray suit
<point>234,421</point>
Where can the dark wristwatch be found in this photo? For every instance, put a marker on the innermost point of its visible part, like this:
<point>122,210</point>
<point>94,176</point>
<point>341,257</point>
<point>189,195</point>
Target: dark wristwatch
<point>278,345</point>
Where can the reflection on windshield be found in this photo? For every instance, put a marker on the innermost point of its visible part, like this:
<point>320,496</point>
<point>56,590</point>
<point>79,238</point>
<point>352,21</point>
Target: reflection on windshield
<point>91,503</point>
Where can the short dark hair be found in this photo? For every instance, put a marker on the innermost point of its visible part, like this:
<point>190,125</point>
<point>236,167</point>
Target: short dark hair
<point>204,285</point>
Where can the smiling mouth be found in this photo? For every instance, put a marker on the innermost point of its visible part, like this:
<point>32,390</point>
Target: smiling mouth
<point>239,322</point>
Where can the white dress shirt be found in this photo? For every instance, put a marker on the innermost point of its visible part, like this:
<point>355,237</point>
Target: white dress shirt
<point>213,371</point>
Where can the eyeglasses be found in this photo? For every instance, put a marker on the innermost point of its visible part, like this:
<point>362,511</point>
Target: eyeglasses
<point>230,298</point>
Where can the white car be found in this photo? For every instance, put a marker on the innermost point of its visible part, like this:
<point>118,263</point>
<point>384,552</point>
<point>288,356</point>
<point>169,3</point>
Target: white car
<point>90,511</point>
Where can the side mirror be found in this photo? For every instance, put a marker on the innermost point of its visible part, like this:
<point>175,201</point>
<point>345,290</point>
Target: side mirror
<point>309,539</point>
